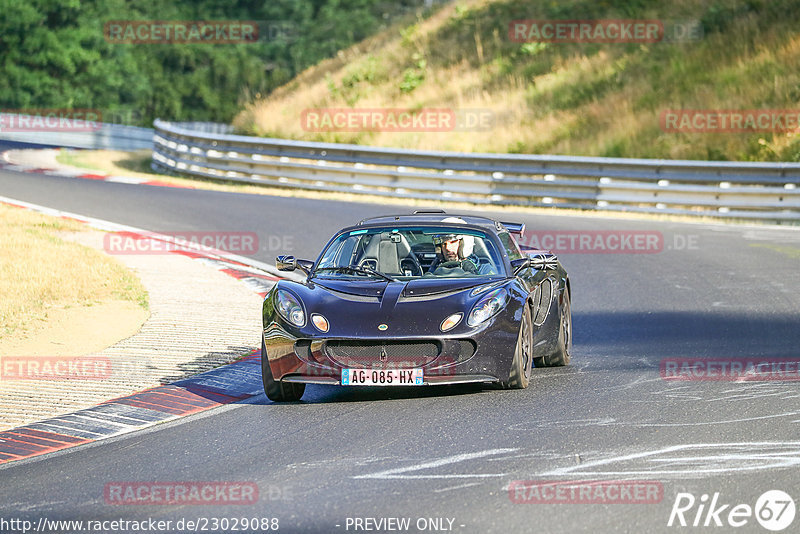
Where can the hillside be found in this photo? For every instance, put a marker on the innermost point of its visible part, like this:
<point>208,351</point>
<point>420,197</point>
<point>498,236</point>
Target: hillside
<point>560,98</point>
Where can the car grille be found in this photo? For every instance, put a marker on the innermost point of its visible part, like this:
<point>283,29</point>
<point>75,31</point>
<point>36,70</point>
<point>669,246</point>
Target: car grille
<point>384,354</point>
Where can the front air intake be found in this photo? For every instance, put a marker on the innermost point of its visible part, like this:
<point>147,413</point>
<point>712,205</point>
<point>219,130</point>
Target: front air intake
<point>382,354</point>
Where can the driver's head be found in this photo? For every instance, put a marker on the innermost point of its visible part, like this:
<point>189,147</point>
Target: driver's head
<point>448,246</point>
<point>454,246</point>
<point>450,249</point>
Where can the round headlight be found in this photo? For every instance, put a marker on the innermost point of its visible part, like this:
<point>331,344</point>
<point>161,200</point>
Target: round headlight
<point>487,307</point>
<point>289,308</point>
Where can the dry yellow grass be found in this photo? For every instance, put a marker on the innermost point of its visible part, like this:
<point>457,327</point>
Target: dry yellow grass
<point>602,100</point>
<point>39,271</point>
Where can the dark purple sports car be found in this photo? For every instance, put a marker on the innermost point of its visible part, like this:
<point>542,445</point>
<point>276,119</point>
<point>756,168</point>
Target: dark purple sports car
<point>413,300</point>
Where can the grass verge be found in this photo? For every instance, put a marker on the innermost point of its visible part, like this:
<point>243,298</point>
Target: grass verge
<point>40,271</point>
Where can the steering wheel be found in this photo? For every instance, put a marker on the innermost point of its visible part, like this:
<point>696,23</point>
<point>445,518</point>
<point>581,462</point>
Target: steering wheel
<point>416,265</point>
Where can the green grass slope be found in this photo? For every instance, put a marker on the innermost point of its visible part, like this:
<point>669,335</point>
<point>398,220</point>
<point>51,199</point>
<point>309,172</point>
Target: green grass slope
<point>560,98</point>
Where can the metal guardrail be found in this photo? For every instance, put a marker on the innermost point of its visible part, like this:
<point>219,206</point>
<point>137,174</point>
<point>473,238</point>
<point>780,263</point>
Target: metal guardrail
<point>759,191</point>
<point>101,135</point>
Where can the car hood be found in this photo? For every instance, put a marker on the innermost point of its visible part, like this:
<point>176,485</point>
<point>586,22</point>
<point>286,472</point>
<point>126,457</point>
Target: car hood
<point>413,288</point>
<point>413,308</point>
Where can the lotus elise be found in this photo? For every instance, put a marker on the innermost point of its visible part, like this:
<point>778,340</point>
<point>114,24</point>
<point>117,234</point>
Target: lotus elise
<point>416,300</point>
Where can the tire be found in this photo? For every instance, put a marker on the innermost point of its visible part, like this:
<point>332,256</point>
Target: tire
<point>278,391</point>
<point>564,346</point>
<point>520,375</point>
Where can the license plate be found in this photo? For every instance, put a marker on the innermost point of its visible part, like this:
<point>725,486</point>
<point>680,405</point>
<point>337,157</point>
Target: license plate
<point>381,377</point>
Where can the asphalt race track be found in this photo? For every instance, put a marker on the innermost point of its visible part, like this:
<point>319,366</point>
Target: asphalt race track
<point>445,457</point>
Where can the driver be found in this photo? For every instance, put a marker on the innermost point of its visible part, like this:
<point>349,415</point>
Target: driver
<point>452,253</point>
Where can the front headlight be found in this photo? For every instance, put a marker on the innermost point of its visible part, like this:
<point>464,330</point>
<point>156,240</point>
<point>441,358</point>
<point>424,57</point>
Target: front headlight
<point>487,307</point>
<point>289,308</point>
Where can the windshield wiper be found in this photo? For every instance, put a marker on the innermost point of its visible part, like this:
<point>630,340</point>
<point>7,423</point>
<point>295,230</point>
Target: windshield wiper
<point>358,269</point>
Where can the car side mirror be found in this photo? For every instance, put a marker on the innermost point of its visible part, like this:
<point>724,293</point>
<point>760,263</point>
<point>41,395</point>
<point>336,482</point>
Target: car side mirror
<point>543,260</point>
<point>519,264</point>
<point>286,263</point>
<point>289,263</point>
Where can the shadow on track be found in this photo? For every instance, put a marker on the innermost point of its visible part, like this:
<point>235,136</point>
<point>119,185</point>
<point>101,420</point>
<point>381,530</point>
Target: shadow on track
<point>338,394</point>
<point>687,335</point>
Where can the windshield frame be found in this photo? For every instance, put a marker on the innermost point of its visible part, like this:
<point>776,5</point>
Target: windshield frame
<point>504,265</point>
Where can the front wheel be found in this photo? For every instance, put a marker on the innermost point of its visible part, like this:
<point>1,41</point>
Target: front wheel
<point>278,391</point>
<point>520,375</point>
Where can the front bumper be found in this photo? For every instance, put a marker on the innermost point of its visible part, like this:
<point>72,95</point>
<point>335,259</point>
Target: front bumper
<point>428,380</point>
<point>484,356</point>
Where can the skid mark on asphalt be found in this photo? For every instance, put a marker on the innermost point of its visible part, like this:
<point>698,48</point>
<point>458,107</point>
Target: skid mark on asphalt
<point>706,391</point>
<point>336,462</point>
<point>750,396</point>
<point>703,423</point>
<point>610,421</point>
<point>691,460</point>
<point>460,486</point>
<point>403,472</point>
<point>534,425</point>
<point>739,391</point>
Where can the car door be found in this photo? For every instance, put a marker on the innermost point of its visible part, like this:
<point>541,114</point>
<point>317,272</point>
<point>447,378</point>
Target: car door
<point>540,284</point>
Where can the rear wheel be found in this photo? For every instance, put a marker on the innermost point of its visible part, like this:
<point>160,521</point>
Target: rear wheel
<point>564,346</point>
<point>520,375</point>
<point>278,391</point>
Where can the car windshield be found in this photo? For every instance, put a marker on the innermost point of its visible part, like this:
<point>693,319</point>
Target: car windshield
<point>409,253</point>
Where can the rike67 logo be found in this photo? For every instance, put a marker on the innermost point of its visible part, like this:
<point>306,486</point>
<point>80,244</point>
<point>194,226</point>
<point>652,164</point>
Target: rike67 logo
<point>774,510</point>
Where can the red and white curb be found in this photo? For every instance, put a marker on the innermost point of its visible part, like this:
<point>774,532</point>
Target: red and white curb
<point>6,164</point>
<point>227,384</point>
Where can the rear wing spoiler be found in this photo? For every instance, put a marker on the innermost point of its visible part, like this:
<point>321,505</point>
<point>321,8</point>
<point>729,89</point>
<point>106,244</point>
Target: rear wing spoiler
<point>515,228</point>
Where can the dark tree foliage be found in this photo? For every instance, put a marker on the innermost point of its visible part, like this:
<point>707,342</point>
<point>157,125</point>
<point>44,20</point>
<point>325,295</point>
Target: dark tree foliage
<point>54,54</point>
